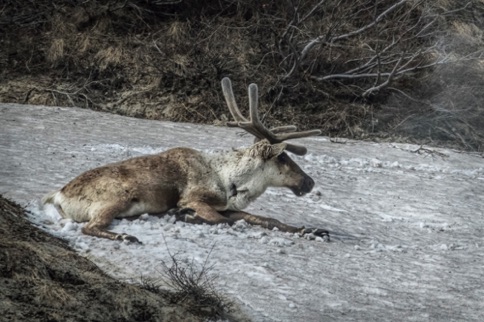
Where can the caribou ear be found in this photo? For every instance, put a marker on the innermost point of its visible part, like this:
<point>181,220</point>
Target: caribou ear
<point>278,149</point>
<point>265,150</point>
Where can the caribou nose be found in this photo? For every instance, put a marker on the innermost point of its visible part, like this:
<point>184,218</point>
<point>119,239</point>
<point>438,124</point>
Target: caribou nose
<point>308,184</point>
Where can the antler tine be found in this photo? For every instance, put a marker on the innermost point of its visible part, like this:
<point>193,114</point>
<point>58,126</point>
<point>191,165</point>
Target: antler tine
<point>230,99</point>
<point>265,133</point>
<point>253,92</point>
<point>297,135</point>
<point>239,119</point>
<point>297,149</point>
<point>288,132</point>
<point>284,129</point>
<point>255,126</point>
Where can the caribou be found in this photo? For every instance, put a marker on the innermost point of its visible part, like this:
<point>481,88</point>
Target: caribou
<point>196,187</point>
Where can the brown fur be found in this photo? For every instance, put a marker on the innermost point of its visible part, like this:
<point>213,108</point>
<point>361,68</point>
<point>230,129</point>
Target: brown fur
<point>211,187</point>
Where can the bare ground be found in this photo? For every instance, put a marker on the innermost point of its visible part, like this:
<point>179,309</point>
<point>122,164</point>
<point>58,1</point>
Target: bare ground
<point>42,279</point>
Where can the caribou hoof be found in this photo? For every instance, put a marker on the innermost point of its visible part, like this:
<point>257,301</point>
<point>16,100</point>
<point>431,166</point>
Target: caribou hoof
<point>183,214</point>
<point>312,233</point>
<point>128,238</point>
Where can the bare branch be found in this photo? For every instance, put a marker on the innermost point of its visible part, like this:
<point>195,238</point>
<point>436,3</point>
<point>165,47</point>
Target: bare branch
<point>319,39</point>
<point>385,83</point>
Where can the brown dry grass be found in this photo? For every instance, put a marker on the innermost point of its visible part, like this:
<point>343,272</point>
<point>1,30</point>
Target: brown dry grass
<point>42,279</point>
<point>55,53</point>
<point>110,56</point>
<point>165,61</point>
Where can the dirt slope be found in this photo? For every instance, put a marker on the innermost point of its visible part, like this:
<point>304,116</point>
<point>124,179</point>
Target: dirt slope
<point>42,279</point>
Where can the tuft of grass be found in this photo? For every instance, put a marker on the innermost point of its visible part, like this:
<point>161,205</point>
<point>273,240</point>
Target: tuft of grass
<point>55,52</point>
<point>109,56</point>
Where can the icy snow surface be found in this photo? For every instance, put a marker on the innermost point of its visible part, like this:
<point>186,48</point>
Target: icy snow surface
<point>407,227</point>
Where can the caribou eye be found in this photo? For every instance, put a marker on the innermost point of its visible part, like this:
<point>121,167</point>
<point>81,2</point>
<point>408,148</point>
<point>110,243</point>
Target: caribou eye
<point>282,157</point>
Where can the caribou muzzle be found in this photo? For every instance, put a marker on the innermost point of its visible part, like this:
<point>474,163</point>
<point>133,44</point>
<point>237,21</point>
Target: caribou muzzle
<point>305,186</point>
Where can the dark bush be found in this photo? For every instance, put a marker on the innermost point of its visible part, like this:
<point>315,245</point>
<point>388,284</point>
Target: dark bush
<point>351,68</point>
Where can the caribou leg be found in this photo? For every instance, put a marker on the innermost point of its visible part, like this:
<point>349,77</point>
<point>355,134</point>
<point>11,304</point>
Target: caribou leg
<point>271,223</point>
<point>97,225</point>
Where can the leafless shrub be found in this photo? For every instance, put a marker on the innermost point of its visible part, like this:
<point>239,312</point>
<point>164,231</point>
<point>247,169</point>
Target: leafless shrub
<point>446,107</point>
<point>364,45</point>
<point>331,64</point>
<point>190,285</point>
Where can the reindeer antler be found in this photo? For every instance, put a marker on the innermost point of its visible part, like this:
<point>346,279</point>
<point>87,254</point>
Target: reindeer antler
<point>255,127</point>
